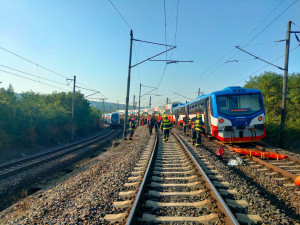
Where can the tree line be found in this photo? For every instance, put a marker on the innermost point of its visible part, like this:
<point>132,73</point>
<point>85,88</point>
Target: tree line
<point>270,84</point>
<point>30,118</point>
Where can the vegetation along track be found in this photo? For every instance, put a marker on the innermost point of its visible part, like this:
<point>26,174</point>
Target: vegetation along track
<point>13,167</point>
<point>169,185</point>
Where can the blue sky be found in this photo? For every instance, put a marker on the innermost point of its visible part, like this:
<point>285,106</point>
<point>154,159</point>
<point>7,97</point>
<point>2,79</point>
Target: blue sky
<point>90,40</point>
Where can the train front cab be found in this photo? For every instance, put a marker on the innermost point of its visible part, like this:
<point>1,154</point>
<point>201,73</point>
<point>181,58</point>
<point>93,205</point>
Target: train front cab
<point>115,120</point>
<point>237,117</point>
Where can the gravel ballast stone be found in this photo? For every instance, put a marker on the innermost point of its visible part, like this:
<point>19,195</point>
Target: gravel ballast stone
<point>88,195</point>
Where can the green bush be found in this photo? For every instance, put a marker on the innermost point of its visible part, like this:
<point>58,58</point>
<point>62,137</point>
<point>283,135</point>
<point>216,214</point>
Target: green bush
<point>271,86</point>
<point>32,118</point>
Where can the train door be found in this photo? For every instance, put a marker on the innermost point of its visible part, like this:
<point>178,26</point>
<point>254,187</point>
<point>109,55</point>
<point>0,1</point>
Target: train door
<point>208,115</point>
<point>177,116</point>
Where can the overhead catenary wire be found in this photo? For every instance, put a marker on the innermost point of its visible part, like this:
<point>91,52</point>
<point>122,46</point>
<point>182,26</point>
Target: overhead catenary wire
<point>269,24</point>
<point>165,27</point>
<point>37,81</point>
<point>256,57</point>
<point>136,61</point>
<point>260,32</point>
<point>176,23</point>
<point>120,14</point>
<point>38,65</point>
<point>175,38</point>
<point>33,75</point>
<point>163,73</point>
<point>162,76</point>
<point>264,66</point>
<point>233,49</point>
<point>30,74</point>
<point>295,25</point>
<point>21,57</point>
<point>87,89</point>
<point>219,67</point>
<point>261,22</point>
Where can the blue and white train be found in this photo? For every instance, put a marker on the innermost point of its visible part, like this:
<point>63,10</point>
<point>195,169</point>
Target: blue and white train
<point>113,119</point>
<point>232,115</point>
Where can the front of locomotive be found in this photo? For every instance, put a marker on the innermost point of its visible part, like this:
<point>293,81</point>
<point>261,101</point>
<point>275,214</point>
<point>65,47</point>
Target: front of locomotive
<point>114,120</point>
<point>238,115</point>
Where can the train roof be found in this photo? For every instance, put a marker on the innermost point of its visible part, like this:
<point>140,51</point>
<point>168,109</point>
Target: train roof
<point>229,90</point>
<point>225,91</point>
<point>236,90</point>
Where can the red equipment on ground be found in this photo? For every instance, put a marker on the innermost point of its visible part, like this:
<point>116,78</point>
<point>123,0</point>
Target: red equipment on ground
<point>297,181</point>
<point>264,155</point>
<point>220,151</point>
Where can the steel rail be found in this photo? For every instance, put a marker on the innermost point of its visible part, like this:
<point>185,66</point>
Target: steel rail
<point>139,194</point>
<point>258,145</point>
<point>230,218</point>
<point>30,162</point>
<point>28,158</point>
<point>275,168</point>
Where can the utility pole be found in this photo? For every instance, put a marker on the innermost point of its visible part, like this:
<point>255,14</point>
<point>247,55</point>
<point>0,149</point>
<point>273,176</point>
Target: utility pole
<point>139,104</point>
<point>73,102</point>
<point>110,108</point>
<point>167,101</point>
<point>198,92</point>
<point>128,87</point>
<point>103,105</point>
<point>150,102</point>
<point>129,71</point>
<point>284,86</point>
<point>118,107</point>
<point>134,104</point>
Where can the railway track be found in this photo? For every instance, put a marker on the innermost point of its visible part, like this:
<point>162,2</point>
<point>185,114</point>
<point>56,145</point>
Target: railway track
<point>274,178</point>
<point>284,170</point>
<point>172,184</point>
<point>13,167</point>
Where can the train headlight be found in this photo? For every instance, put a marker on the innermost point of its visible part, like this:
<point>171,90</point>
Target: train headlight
<point>260,118</point>
<point>221,120</point>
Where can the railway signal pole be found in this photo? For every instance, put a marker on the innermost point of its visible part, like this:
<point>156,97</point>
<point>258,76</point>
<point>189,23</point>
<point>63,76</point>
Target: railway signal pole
<point>129,71</point>
<point>128,86</point>
<point>139,114</point>
<point>73,108</point>
<point>149,92</point>
<point>134,103</point>
<point>285,81</point>
<point>103,106</point>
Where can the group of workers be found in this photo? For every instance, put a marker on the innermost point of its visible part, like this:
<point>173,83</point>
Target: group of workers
<point>165,125</point>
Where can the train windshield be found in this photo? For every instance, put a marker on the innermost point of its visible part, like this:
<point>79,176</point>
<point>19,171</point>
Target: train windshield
<point>239,105</point>
<point>115,116</point>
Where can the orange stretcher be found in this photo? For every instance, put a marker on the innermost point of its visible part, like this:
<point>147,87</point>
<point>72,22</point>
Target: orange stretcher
<point>264,155</point>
